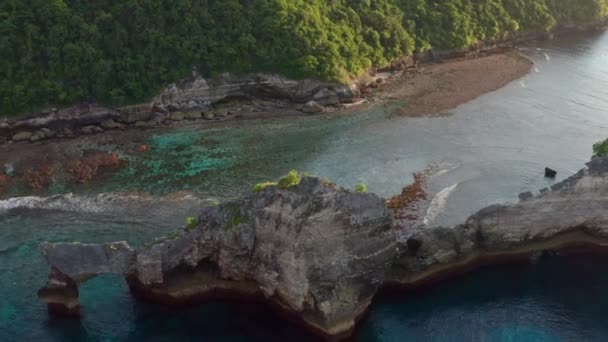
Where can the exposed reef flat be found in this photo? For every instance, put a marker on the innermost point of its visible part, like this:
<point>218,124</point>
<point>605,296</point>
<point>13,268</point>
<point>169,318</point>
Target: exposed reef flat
<point>321,253</point>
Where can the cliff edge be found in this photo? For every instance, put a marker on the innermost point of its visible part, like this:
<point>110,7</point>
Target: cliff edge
<point>321,253</point>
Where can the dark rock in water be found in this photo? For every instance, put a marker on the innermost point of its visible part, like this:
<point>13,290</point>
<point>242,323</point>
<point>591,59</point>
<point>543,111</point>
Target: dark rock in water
<point>526,196</point>
<point>550,173</point>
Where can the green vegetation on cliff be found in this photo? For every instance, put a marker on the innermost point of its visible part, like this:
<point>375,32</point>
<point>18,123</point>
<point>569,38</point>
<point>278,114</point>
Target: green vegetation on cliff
<point>600,149</point>
<point>120,52</point>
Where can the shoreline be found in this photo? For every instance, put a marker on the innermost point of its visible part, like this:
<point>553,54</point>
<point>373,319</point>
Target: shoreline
<point>439,88</point>
<point>426,88</point>
<point>427,84</point>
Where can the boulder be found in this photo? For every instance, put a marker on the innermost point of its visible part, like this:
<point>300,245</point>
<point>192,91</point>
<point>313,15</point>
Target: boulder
<point>22,136</point>
<point>177,116</point>
<point>136,113</point>
<point>87,130</point>
<point>48,133</point>
<point>111,124</point>
<point>312,107</point>
<point>326,97</point>
<point>42,134</point>
<point>550,173</point>
<point>526,196</point>
<point>209,116</point>
<point>193,115</point>
<point>67,133</point>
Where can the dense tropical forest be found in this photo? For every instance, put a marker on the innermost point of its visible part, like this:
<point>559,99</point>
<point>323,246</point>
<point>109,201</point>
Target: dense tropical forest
<point>120,52</point>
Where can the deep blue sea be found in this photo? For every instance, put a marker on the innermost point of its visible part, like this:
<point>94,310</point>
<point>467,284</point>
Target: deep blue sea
<point>487,151</point>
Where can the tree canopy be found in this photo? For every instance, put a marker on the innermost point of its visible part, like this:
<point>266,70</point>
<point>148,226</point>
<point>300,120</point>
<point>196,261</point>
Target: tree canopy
<point>119,52</point>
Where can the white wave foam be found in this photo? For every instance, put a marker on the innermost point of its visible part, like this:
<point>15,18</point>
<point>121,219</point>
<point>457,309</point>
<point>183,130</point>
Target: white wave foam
<point>444,170</point>
<point>91,204</point>
<point>67,202</point>
<point>438,204</point>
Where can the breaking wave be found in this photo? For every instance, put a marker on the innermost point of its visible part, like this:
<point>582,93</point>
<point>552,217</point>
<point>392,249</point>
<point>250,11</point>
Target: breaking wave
<point>438,204</point>
<point>104,203</point>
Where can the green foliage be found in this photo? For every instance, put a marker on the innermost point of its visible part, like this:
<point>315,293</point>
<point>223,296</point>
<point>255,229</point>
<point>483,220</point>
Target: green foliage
<point>261,186</point>
<point>172,236</point>
<point>191,223</point>
<point>361,188</point>
<point>600,149</point>
<point>59,52</point>
<point>328,183</point>
<point>292,179</point>
<point>236,216</point>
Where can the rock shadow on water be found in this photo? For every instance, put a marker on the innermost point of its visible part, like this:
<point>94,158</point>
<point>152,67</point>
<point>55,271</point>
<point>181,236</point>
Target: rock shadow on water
<point>215,320</point>
<point>551,297</point>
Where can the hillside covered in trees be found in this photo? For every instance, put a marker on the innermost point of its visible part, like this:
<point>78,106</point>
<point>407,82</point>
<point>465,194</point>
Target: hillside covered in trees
<point>120,52</point>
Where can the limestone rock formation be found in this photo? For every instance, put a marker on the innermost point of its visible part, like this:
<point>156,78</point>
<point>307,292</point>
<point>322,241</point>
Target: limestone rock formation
<point>200,92</point>
<point>321,253</point>
<point>186,99</point>
<point>73,264</point>
<point>315,250</point>
<point>573,213</point>
<point>44,125</point>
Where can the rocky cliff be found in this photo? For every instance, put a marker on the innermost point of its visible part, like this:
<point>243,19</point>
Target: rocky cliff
<point>321,253</point>
<point>571,214</point>
<point>189,99</point>
<point>314,250</point>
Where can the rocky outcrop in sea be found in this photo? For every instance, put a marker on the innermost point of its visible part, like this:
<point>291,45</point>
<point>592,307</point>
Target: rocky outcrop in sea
<point>321,253</point>
<point>314,250</point>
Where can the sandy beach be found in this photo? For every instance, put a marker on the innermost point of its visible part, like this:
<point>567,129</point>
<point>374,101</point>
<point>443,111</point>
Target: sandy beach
<point>436,88</point>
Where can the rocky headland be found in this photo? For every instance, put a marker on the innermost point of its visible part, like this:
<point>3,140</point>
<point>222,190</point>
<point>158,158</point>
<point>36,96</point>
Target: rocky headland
<point>321,253</point>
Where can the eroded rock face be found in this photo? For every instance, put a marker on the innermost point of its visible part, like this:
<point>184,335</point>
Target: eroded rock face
<point>572,213</point>
<point>74,263</point>
<point>321,252</point>
<point>51,123</point>
<point>199,93</point>
<point>316,250</point>
<point>186,99</point>
<point>80,262</point>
